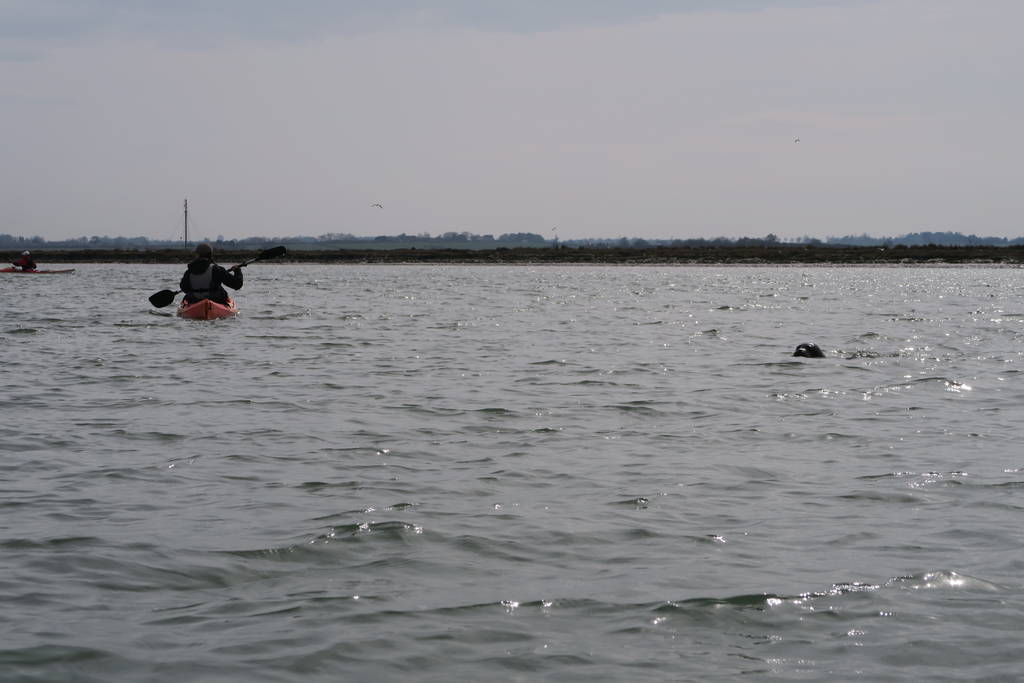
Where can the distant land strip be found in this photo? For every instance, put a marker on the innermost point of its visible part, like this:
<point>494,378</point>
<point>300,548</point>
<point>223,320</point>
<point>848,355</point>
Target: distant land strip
<point>754,254</point>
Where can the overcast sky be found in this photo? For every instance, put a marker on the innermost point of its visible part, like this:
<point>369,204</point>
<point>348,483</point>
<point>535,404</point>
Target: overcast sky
<point>601,118</point>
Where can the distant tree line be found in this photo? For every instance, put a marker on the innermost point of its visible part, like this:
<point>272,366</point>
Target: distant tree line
<point>447,240</point>
<point>468,240</point>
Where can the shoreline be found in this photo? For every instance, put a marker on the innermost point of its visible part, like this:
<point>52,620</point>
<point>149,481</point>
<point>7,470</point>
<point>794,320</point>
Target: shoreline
<point>759,255</point>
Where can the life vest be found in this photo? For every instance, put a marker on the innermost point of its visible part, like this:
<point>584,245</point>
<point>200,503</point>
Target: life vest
<point>201,283</point>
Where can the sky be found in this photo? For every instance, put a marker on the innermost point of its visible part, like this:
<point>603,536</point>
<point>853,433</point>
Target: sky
<point>578,119</point>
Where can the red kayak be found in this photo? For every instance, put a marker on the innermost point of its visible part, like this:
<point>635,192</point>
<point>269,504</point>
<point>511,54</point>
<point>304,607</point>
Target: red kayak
<point>19,271</point>
<point>207,310</point>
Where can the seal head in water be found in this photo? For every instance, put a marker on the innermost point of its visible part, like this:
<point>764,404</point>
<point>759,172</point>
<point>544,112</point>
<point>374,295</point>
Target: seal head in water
<point>808,351</point>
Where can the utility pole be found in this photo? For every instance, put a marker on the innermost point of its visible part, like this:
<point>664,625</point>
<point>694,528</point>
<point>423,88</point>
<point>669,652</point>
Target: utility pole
<point>186,222</point>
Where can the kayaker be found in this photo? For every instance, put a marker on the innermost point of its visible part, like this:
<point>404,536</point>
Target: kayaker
<point>25,262</point>
<point>204,278</point>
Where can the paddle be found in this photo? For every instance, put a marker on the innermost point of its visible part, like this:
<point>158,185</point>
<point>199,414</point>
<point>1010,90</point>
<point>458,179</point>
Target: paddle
<point>165,296</point>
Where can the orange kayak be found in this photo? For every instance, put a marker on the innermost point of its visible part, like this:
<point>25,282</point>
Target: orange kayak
<point>207,310</point>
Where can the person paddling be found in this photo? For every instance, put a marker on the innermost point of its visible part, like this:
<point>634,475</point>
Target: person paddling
<point>25,262</point>
<point>204,279</point>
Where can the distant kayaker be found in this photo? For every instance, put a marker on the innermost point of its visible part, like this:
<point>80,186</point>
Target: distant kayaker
<point>25,262</point>
<point>204,278</point>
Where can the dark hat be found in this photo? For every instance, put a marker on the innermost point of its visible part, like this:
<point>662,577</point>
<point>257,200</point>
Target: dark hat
<point>203,250</point>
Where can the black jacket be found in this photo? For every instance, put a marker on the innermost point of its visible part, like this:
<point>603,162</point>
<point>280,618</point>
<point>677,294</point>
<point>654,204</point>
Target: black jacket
<point>204,279</point>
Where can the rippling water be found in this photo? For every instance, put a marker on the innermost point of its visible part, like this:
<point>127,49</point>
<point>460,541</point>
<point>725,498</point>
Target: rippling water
<point>512,473</point>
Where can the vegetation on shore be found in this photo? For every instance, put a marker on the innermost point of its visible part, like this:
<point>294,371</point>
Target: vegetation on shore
<point>750,254</point>
<point>463,241</point>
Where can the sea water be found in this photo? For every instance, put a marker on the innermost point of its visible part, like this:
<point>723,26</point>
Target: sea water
<point>514,473</point>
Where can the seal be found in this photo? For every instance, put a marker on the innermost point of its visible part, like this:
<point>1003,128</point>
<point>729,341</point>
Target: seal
<point>809,350</point>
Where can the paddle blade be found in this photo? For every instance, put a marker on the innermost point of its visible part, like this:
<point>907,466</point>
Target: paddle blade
<point>273,252</point>
<point>163,298</point>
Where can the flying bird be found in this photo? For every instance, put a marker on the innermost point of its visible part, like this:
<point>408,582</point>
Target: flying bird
<point>796,139</point>
<point>377,205</point>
